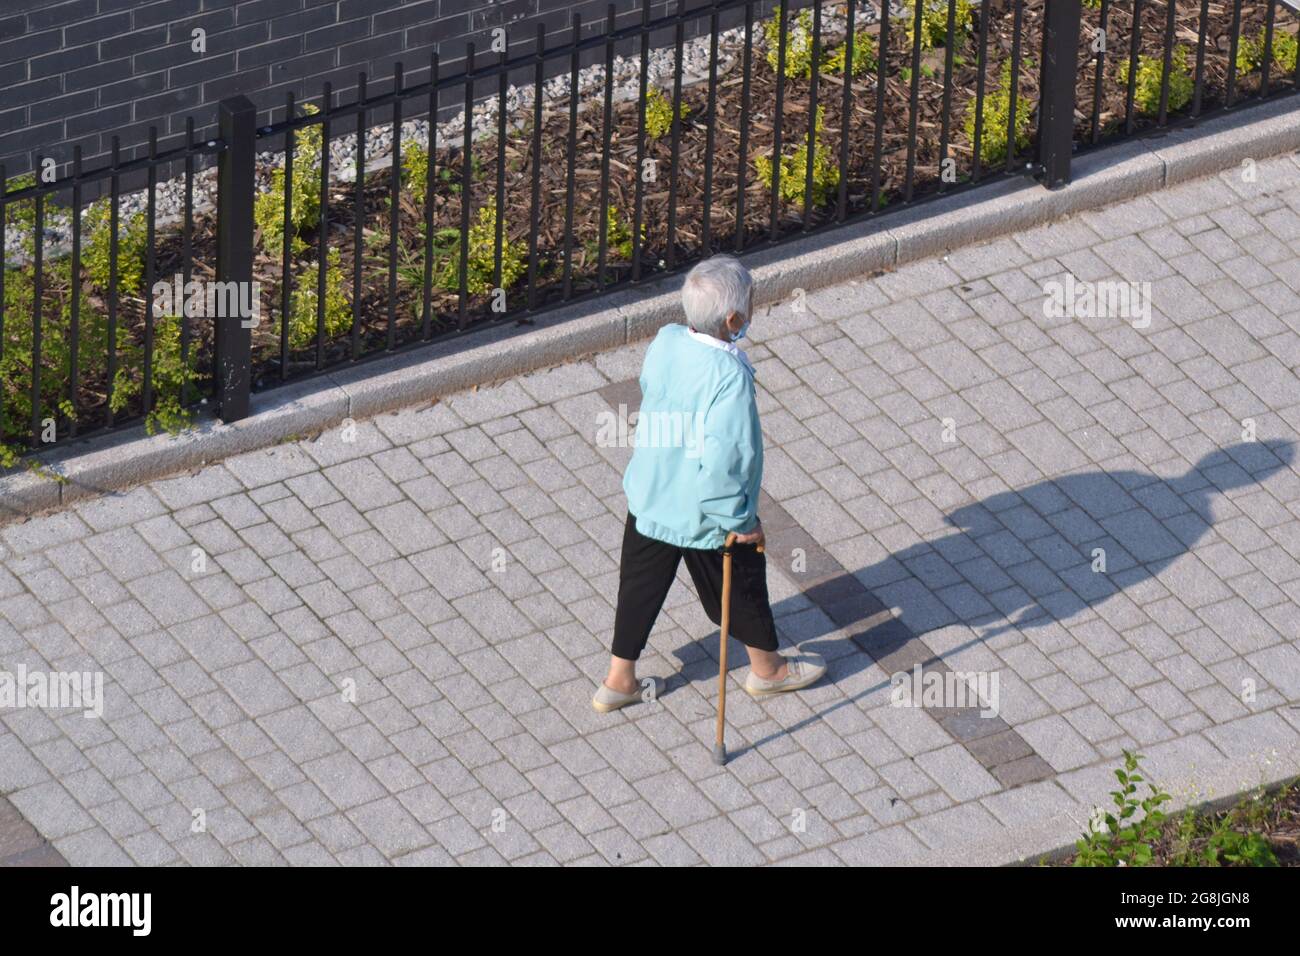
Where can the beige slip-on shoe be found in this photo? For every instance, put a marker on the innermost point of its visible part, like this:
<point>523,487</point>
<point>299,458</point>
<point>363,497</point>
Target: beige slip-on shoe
<point>607,700</point>
<point>802,671</point>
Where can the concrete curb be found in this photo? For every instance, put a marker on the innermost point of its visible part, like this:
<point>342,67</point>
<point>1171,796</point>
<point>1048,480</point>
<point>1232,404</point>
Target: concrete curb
<point>1111,175</point>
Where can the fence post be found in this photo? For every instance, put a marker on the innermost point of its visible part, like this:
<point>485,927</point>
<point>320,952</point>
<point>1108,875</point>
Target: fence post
<point>232,338</point>
<point>1061,26</point>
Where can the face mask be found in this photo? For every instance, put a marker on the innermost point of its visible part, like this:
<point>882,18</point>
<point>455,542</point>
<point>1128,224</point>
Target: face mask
<point>738,335</point>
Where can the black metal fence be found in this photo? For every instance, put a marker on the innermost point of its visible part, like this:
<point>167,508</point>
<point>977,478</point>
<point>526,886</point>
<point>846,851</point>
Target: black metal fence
<point>563,182</point>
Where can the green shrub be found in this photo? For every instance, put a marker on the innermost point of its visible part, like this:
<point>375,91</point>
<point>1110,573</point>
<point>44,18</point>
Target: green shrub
<point>799,48</point>
<point>480,269</point>
<point>415,172</point>
<point>304,299</point>
<point>659,113</point>
<point>132,244</point>
<point>1150,72</point>
<point>1124,839</point>
<point>794,168</point>
<point>268,210</point>
<point>1250,52</point>
<point>997,114</point>
<point>864,56</point>
<point>934,22</point>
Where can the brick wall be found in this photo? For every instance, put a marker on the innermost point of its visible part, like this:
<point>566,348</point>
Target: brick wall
<point>83,71</point>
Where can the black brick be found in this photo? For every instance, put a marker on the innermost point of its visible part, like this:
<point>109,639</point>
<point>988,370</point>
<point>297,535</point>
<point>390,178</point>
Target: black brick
<point>61,107</point>
<point>332,36</point>
<point>270,53</point>
<point>134,88</point>
<point>63,61</point>
<point>303,22</point>
<point>213,21</point>
<point>22,94</point>
<point>248,82</point>
<point>164,11</point>
<point>256,10</point>
<point>60,14</point>
<point>99,120</point>
<point>131,43</point>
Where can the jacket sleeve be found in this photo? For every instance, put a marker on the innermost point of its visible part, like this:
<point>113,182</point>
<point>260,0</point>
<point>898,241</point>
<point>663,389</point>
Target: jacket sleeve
<point>730,444</point>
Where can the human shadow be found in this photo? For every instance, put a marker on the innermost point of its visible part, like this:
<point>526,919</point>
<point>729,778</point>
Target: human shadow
<point>1020,560</point>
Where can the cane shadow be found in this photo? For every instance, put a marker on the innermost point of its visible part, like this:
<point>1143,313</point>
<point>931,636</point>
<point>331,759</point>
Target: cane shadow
<point>1023,559</point>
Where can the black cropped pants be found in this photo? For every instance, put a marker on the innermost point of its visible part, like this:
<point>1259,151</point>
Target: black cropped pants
<point>646,573</point>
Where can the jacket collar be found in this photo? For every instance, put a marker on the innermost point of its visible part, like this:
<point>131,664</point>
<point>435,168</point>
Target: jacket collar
<point>729,347</point>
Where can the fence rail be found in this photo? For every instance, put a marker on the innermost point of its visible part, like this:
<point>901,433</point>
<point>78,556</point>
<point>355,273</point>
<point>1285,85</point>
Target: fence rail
<point>593,164</point>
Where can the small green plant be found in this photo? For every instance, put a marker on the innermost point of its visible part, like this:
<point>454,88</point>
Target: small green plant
<point>132,240</point>
<point>794,168</point>
<point>268,210</point>
<point>481,260</point>
<point>864,56</point>
<point>618,237</point>
<point>303,303</point>
<point>170,376</point>
<point>1150,73</point>
<point>659,113</point>
<point>415,172</point>
<point>934,22</point>
<point>997,115</point>
<point>1250,52</point>
<point>1123,838</point>
<point>799,49</point>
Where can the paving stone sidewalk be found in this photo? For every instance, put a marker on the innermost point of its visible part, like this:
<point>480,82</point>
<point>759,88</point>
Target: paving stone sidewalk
<point>378,645</point>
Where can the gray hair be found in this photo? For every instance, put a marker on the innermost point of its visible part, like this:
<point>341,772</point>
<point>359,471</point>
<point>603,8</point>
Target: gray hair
<point>713,290</point>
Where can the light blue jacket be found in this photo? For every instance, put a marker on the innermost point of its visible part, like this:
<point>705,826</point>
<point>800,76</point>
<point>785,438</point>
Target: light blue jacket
<point>698,459</point>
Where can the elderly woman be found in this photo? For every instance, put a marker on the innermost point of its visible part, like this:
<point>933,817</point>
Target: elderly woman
<point>694,477</point>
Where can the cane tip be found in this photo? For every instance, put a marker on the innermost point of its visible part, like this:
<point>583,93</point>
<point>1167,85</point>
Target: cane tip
<point>719,754</point>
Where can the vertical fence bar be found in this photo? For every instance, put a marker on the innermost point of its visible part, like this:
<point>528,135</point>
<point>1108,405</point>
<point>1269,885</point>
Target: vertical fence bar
<point>570,174</point>
<point>503,88</point>
<point>534,205</point>
<point>237,118</point>
<point>706,233</point>
<point>1013,100</point>
<point>1135,45</point>
<point>286,256</point>
<point>606,133</point>
<point>1234,40</point>
<point>1266,64</point>
<point>1166,62</point>
<point>38,283</point>
<point>812,144</point>
<point>981,81</point>
<point>466,186</point>
<point>187,255</point>
<point>151,208</point>
<point>394,207</point>
<point>114,193</point>
<point>322,243</point>
<point>1199,86</point>
<point>945,123</point>
<point>913,98</point>
<point>1099,80</point>
<point>742,162</point>
<point>74,319</point>
<point>430,181</point>
<point>638,190</point>
<point>358,219</point>
<point>877,149</point>
<point>846,114</point>
<point>774,226</point>
<point>1062,23</point>
<point>670,254</point>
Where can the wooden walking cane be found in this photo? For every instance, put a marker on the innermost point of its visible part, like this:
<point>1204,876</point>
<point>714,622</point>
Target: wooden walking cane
<point>719,746</point>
